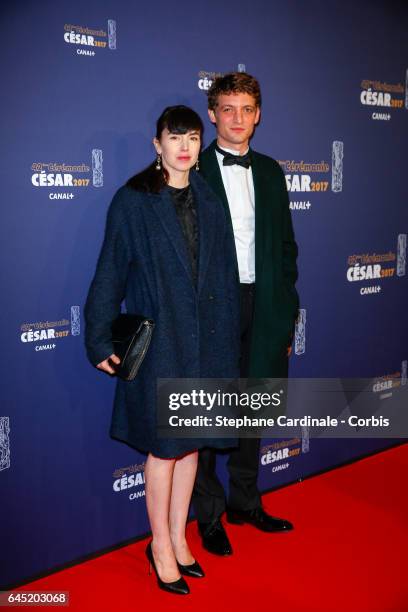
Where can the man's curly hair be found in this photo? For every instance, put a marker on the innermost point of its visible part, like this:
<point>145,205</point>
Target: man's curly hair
<point>234,82</point>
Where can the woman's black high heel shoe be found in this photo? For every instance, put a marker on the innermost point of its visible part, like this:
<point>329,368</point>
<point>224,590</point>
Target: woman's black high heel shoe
<point>179,587</point>
<point>194,570</point>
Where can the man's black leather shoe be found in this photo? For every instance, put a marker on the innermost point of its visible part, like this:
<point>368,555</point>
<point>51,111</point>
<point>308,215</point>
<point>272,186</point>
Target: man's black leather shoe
<point>259,519</point>
<point>214,538</point>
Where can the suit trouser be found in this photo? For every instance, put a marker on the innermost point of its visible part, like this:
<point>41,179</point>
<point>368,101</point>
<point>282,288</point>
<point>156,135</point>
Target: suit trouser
<point>243,461</point>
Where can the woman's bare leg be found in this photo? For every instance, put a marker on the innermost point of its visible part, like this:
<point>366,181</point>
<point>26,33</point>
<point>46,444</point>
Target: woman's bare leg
<point>183,482</point>
<point>159,476</point>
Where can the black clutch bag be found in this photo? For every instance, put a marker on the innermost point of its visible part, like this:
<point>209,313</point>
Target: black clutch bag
<point>131,335</point>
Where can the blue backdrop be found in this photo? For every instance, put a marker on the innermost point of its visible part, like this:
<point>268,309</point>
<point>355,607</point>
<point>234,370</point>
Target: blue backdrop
<point>83,84</point>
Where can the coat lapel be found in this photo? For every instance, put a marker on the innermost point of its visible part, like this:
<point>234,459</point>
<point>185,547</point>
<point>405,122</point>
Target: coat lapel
<point>164,208</point>
<point>212,173</point>
<point>261,228</point>
<point>206,221</point>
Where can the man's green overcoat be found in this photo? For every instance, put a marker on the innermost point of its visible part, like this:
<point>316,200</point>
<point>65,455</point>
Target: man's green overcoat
<point>276,299</point>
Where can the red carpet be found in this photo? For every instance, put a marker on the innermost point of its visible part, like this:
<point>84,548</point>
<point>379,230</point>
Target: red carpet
<point>348,551</point>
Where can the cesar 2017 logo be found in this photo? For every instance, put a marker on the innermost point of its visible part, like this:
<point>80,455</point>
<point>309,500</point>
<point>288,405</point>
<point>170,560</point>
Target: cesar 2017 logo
<point>88,37</point>
<point>386,96</point>
<point>54,174</point>
<point>46,332</point>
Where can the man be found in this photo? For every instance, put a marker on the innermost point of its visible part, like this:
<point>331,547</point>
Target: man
<point>253,190</point>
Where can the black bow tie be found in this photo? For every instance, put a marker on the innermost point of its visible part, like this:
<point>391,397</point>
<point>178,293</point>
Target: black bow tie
<point>231,160</point>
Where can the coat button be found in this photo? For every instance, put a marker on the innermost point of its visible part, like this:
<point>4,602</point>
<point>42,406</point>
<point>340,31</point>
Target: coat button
<point>212,331</point>
<point>210,297</point>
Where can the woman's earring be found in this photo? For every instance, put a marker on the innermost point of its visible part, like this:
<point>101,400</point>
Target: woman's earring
<point>197,166</point>
<point>158,162</point>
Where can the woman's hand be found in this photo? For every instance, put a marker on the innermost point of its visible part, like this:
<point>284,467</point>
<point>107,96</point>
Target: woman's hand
<point>105,365</point>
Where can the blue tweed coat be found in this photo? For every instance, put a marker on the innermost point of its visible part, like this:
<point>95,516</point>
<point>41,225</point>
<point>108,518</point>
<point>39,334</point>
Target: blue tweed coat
<point>144,261</point>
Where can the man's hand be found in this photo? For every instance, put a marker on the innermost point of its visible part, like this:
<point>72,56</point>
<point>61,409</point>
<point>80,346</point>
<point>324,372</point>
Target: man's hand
<point>289,350</point>
<point>105,365</point>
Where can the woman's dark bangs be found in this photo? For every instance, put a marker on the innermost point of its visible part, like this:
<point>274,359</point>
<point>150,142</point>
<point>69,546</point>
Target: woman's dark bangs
<point>181,121</point>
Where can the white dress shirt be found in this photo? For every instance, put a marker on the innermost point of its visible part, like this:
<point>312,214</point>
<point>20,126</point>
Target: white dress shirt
<point>239,187</point>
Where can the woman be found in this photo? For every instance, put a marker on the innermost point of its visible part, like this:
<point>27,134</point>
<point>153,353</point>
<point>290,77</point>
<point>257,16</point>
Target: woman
<point>169,253</point>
